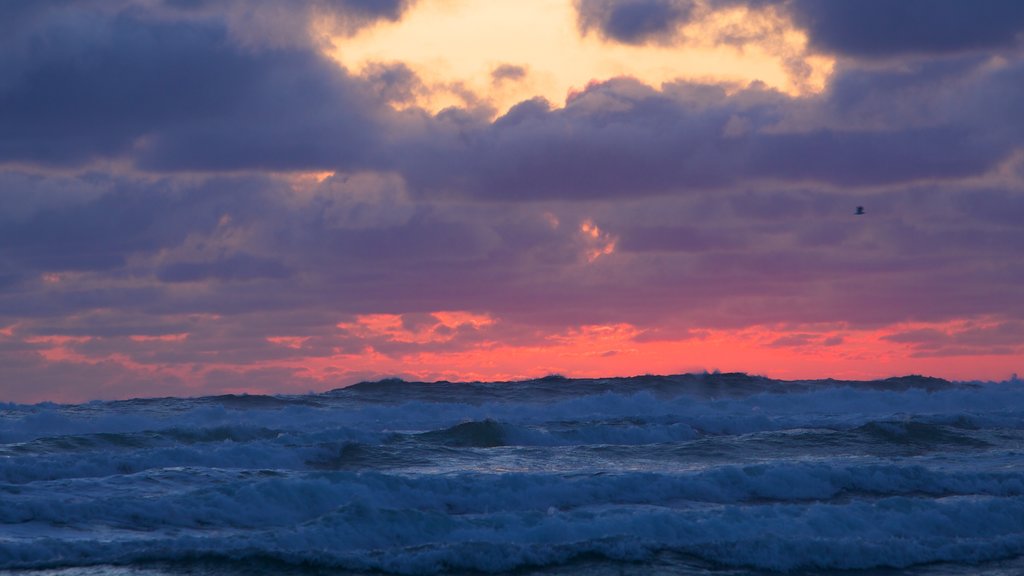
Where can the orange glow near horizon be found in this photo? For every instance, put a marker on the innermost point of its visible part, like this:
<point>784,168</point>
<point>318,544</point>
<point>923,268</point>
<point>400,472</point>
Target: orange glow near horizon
<point>621,350</point>
<point>595,351</point>
<point>455,46</point>
<point>430,352</point>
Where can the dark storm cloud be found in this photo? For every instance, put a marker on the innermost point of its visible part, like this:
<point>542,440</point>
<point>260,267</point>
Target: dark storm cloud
<point>922,92</point>
<point>176,94</point>
<point>97,236</point>
<point>853,157</point>
<point>351,15</point>
<point>135,217</point>
<point>304,114</point>
<point>371,9</point>
<point>183,95</point>
<point>633,21</point>
<point>868,29</point>
<point>238,266</point>
<point>882,28</point>
<point>618,138</point>
<point>623,139</point>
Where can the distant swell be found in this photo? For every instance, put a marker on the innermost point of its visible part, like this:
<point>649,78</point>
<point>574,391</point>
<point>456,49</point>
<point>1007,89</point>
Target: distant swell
<point>484,434</point>
<point>922,434</point>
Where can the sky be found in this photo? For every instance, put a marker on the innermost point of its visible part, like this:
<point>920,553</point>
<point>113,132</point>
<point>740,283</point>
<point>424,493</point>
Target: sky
<point>204,197</point>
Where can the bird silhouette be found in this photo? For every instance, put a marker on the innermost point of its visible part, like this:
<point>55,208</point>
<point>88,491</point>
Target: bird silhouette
<point>860,211</point>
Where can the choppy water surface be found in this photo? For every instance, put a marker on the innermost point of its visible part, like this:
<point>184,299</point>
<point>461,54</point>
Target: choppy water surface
<point>717,474</point>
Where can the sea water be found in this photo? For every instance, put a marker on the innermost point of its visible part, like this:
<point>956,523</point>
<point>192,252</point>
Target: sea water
<point>713,474</point>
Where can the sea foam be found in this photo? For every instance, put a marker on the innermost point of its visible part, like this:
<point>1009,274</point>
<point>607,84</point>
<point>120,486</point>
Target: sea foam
<point>417,478</point>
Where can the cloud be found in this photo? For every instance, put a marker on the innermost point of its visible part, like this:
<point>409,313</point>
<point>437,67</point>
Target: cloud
<point>863,29</point>
<point>393,82</point>
<point>46,369</point>
<point>877,28</point>
<point>794,340</point>
<point>965,339</point>
<point>678,238</point>
<point>264,281</point>
<point>623,138</point>
<point>371,9</point>
<point>180,95</point>
<point>177,94</point>
<point>267,22</point>
<point>634,21</point>
<point>238,266</point>
<point>243,245</point>
<point>134,216</point>
<point>508,72</point>
<point>180,205</point>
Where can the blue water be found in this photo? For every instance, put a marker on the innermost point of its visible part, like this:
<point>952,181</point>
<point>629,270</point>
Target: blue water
<point>714,474</point>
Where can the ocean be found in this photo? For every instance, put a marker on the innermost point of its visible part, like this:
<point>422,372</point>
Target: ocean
<point>701,474</point>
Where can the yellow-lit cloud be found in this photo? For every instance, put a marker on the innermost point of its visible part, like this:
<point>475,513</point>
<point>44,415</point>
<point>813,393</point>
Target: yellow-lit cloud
<point>599,243</point>
<point>456,46</point>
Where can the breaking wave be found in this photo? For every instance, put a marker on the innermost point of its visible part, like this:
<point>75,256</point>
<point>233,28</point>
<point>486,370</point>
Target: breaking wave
<point>712,472</point>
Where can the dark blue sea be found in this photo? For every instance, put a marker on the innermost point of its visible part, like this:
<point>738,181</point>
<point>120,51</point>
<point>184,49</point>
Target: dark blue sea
<point>706,474</point>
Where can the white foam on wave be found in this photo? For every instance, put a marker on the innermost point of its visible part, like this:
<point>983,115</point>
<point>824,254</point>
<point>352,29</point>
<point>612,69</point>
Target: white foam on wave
<point>55,442</point>
<point>891,532</point>
<point>108,484</point>
<point>220,498</point>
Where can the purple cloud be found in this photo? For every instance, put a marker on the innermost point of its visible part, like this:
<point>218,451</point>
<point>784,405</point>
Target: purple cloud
<point>621,137</point>
<point>178,94</point>
<point>634,21</point>
<point>149,210</point>
<point>508,72</point>
<point>972,339</point>
<point>198,100</point>
<point>868,29</point>
<point>877,28</point>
